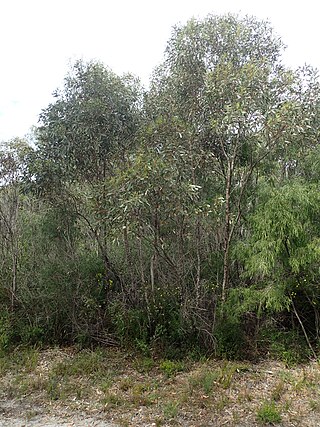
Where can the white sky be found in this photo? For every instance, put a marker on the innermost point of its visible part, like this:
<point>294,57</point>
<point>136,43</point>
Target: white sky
<point>40,37</point>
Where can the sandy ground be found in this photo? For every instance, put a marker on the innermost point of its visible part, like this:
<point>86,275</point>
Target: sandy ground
<point>18,414</point>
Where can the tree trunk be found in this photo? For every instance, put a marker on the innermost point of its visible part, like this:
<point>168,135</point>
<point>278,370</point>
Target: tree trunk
<point>14,247</point>
<point>227,235</point>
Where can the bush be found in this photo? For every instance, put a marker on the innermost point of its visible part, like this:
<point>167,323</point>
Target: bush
<point>287,346</point>
<point>130,325</point>
<point>230,343</point>
<point>5,330</point>
<point>170,367</point>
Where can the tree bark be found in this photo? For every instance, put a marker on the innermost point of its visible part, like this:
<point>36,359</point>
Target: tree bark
<point>227,234</point>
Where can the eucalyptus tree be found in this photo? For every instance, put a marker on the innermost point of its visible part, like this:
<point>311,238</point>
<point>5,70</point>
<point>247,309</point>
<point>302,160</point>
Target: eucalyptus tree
<point>89,127</point>
<point>94,116</point>
<point>223,79</point>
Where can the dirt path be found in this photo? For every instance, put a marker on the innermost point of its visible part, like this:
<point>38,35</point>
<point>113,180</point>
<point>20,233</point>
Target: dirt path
<point>47,421</point>
<point>18,414</point>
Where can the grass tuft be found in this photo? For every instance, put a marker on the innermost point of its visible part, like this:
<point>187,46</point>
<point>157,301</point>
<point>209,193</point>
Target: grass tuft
<point>268,414</point>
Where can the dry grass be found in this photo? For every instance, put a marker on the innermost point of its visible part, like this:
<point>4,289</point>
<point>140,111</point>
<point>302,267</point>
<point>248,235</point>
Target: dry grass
<point>134,391</point>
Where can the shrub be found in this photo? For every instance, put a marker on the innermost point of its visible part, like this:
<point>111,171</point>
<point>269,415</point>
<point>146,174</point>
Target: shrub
<point>5,330</point>
<point>287,346</point>
<point>229,335</point>
<point>169,367</point>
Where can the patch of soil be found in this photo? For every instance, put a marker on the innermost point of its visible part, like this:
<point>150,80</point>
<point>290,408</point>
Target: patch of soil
<point>18,413</point>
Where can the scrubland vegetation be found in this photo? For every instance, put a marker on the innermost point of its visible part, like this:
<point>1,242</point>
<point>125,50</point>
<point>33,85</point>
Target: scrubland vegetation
<point>179,221</point>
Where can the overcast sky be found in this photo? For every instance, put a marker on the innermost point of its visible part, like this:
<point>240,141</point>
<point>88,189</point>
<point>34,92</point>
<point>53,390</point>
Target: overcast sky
<point>40,37</point>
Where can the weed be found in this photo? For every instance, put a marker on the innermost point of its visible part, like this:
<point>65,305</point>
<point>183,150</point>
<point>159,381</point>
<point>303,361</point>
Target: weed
<point>289,347</point>
<point>170,410</point>
<point>5,331</point>
<point>314,405</point>
<point>245,396</point>
<point>53,388</point>
<point>268,414</point>
<point>123,423</point>
<point>125,384</point>
<point>111,400</point>
<point>287,404</point>
<point>90,363</point>
<point>4,364</point>
<point>193,382</point>
<point>197,355</point>
<point>278,391</point>
<point>141,388</point>
<point>170,368</point>
<point>303,382</point>
<point>25,385</point>
<point>144,365</point>
<point>286,376</point>
<point>142,394</point>
<point>236,418</point>
<point>79,393</point>
<point>142,347</point>
<point>25,359</point>
<point>106,384</point>
<point>227,373</point>
<point>29,415</point>
<point>209,380</point>
<point>205,380</point>
<point>222,402</point>
<point>229,338</point>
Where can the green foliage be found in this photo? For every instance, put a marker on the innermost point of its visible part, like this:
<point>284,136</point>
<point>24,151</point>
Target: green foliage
<point>53,388</point>
<point>170,367</point>
<point>94,114</point>
<point>144,364</point>
<point>252,299</point>
<point>206,380</point>
<point>284,231</point>
<point>282,253</point>
<point>130,325</point>
<point>229,337</point>
<point>31,335</point>
<point>5,331</point>
<point>170,410</point>
<point>209,380</point>
<point>288,346</point>
<point>91,363</point>
<point>20,358</point>
<point>268,414</point>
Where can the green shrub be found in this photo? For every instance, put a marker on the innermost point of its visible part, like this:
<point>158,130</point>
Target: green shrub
<point>170,367</point>
<point>229,335</point>
<point>130,325</point>
<point>287,346</point>
<point>32,335</point>
<point>5,331</point>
